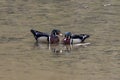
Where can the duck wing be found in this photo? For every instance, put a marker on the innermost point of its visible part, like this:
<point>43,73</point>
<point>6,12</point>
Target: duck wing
<point>76,36</point>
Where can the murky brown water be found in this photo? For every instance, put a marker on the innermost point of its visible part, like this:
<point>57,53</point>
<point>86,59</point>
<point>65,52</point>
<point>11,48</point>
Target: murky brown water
<point>21,59</point>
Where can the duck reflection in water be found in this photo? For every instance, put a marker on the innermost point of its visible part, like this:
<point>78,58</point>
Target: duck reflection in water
<point>60,49</point>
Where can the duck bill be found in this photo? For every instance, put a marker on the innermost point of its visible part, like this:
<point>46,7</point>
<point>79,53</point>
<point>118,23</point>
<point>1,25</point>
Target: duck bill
<point>61,34</point>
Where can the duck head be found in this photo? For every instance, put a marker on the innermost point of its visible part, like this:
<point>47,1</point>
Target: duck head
<point>56,32</point>
<point>54,37</point>
<point>68,35</point>
<point>67,38</point>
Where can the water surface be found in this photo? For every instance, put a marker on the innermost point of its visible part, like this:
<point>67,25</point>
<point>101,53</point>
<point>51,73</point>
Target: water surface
<point>20,59</point>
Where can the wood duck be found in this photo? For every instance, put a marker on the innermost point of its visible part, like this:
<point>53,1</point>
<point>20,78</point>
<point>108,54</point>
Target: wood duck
<point>74,38</point>
<point>46,38</point>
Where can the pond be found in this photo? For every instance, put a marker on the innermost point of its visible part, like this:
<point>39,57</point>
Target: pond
<point>22,59</point>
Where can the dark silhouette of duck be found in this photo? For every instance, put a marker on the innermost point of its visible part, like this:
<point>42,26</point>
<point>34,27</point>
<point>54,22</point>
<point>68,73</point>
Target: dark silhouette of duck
<point>47,38</point>
<point>74,38</point>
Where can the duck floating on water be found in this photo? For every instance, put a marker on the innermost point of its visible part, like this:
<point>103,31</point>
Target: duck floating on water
<point>46,38</point>
<point>74,38</point>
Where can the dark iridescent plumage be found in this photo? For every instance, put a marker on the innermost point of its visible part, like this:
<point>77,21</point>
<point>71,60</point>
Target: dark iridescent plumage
<point>52,38</point>
<point>74,38</point>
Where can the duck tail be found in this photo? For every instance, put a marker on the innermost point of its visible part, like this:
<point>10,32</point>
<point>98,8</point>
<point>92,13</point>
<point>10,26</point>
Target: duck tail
<point>32,31</point>
<point>35,33</point>
<point>84,37</point>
